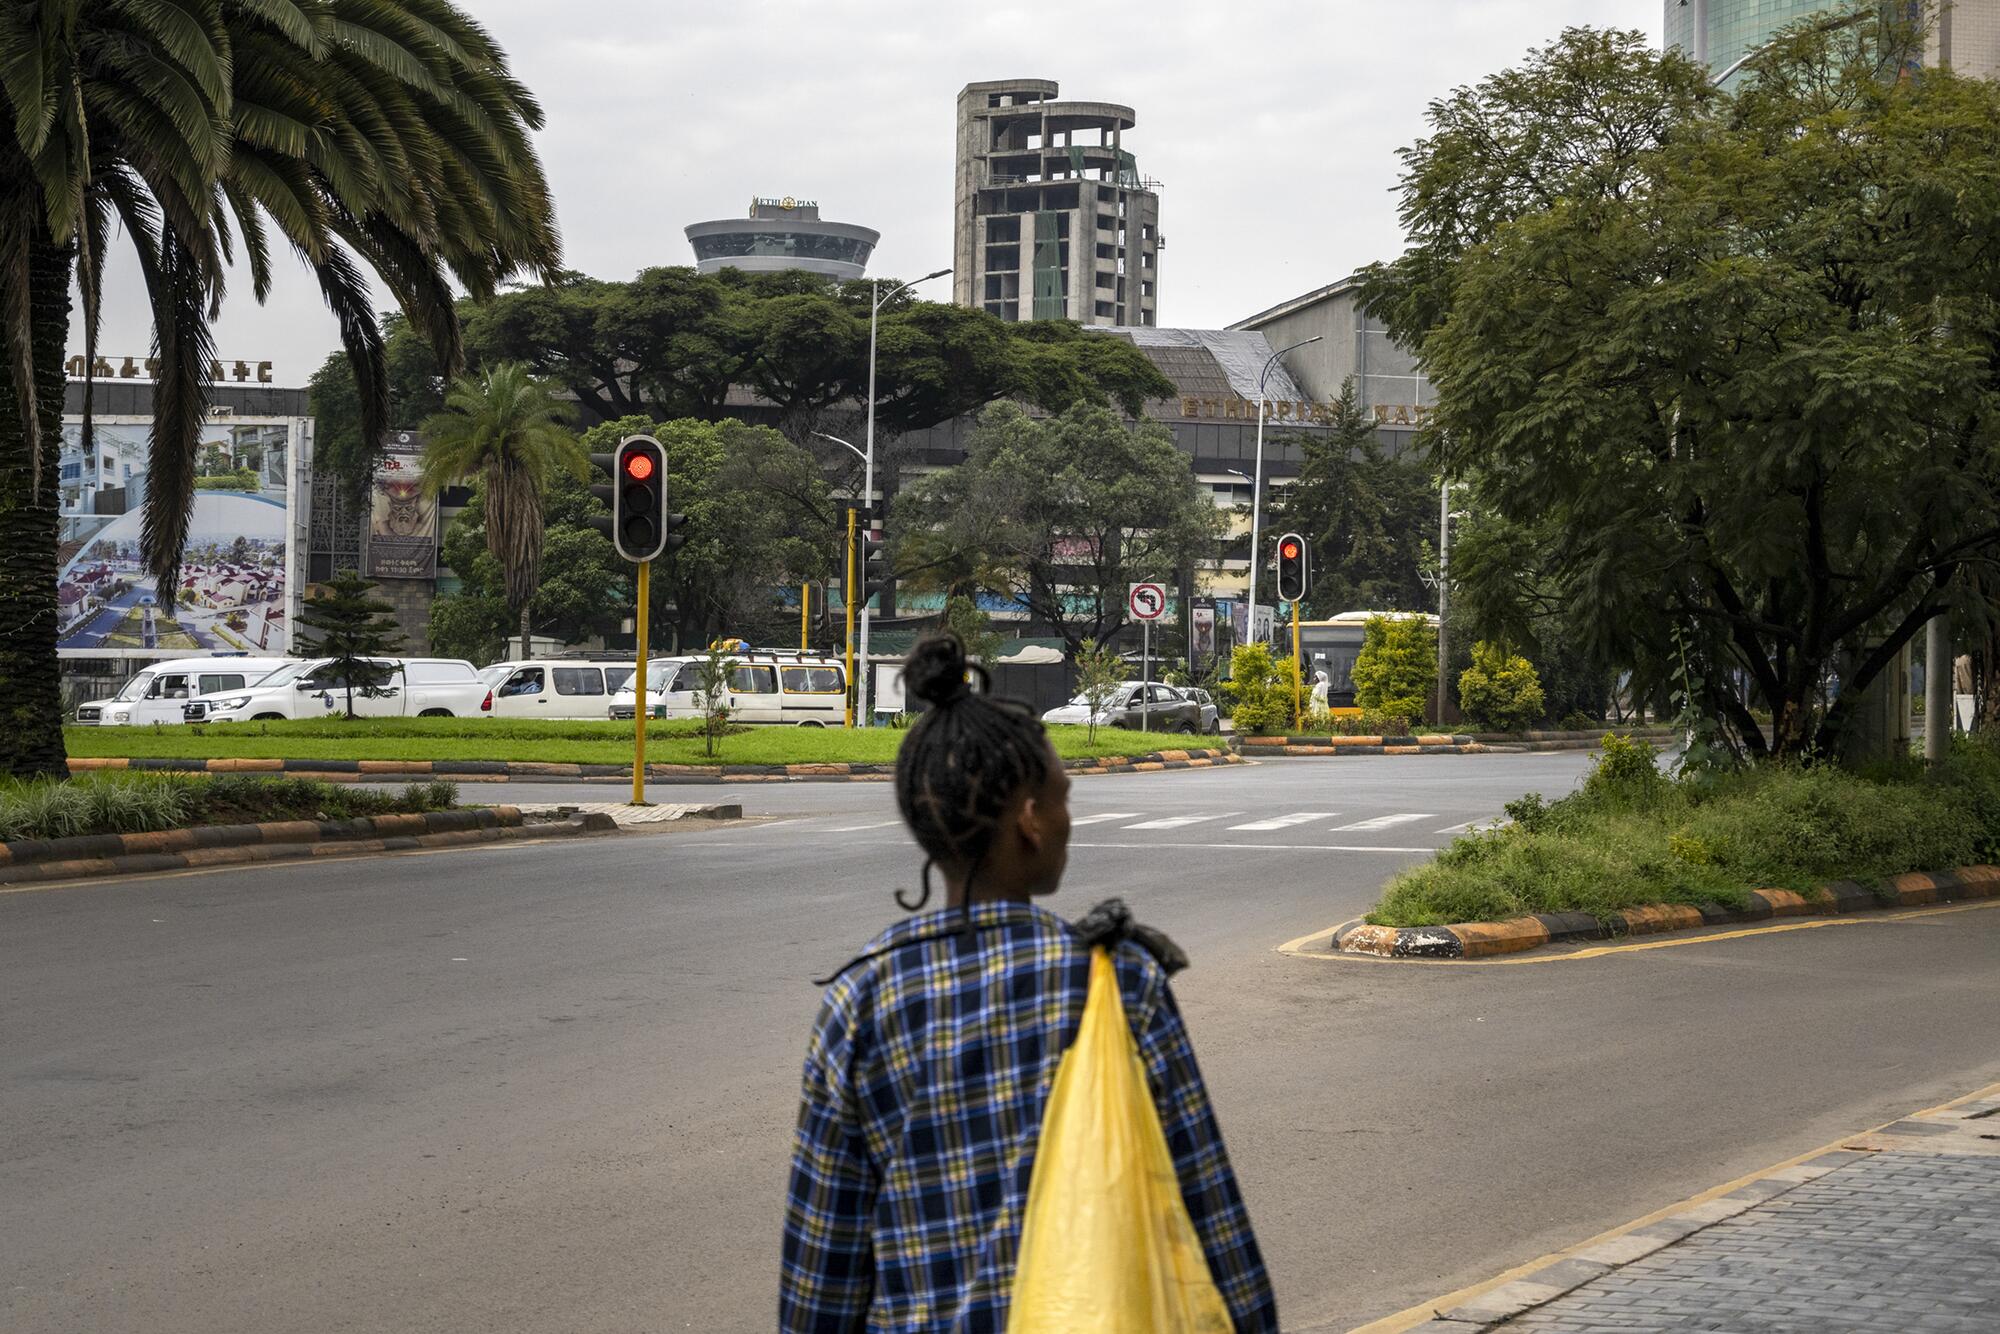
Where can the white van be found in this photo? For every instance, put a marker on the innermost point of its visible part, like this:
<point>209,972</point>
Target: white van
<point>155,694</point>
<point>555,687</point>
<point>773,686</point>
<point>314,688</point>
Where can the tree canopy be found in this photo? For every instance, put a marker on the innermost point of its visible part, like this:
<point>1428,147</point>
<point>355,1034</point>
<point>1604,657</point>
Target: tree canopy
<point>1059,514</point>
<point>1728,363</point>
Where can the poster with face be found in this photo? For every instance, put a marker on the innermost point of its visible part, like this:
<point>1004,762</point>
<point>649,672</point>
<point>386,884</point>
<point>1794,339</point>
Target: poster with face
<point>402,520</point>
<point>234,566</point>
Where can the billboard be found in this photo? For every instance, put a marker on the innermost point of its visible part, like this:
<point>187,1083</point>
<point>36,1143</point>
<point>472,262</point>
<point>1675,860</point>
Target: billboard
<point>237,582</point>
<point>402,520</point>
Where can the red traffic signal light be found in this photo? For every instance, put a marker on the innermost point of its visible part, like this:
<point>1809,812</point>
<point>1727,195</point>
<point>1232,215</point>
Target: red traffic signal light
<point>1292,568</point>
<point>638,466</point>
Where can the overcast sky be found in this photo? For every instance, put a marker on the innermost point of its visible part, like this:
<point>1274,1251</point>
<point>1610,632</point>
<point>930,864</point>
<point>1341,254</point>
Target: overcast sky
<point>1272,128</point>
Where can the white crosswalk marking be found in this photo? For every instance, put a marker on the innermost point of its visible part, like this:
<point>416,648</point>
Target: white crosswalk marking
<point>1380,822</point>
<point>1461,828</point>
<point>1100,819</point>
<point>1285,821</point>
<point>1176,821</point>
<point>857,828</point>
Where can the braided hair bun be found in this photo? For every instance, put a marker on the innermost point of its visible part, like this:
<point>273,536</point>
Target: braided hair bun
<point>935,671</point>
<point>965,759</point>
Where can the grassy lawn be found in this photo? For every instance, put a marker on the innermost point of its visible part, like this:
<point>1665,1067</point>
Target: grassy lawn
<point>554,742</point>
<point>1633,836</point>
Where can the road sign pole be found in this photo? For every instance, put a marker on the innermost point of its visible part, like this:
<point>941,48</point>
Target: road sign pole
<point>639,704</point>
<point>1145,676</point>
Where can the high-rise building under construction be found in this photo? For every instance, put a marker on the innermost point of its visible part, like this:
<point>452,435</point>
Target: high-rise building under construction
<point>1052,218</point>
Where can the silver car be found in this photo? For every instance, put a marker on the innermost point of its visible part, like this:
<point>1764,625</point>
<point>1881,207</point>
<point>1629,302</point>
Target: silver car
<point>1211,718</point>
<point>1155,707</point>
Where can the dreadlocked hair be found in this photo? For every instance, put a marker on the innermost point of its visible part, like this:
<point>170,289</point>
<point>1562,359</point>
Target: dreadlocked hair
<point>966,758</point>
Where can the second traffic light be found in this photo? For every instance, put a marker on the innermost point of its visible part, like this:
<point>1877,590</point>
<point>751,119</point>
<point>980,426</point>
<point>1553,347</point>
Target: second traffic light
<point>874,564</point>
<point>639,526</point>
<point>1292,568</point>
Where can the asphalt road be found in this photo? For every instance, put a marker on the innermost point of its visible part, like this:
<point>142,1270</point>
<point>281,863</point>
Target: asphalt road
<point>550,1086</point>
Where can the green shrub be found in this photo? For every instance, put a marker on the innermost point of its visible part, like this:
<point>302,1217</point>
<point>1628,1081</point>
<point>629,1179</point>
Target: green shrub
<point>1631,835</point>
<point>1577,721</point>
<point>1397,667</point>
<point>128,803</point>
<point>1500,691</point>
<point>1263,690</point>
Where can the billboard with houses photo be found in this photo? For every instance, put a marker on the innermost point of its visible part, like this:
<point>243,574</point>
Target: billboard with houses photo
<point>236,578</point>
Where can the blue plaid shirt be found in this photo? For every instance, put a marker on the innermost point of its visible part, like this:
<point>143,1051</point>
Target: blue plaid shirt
<point>925,1082</point>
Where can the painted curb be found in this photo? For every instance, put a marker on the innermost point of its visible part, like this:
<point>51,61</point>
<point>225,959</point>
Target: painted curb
<point>1479,940</point>
<point>1428,743</point>
<point>33,861</point>
<point>502,771</point>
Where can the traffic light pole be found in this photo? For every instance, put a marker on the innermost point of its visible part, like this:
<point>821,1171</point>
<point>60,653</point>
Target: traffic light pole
<point>847,597</point>
<point>639,705</point>
<point>805,613</point>
<point>1298,671</point>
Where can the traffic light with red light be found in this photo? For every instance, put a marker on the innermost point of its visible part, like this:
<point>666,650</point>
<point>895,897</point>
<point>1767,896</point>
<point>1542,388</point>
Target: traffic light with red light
<point>1292,568</point>
<point>639,526</point>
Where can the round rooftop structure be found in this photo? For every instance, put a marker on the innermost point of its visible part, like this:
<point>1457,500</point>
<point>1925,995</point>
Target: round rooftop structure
<point>780,234</point>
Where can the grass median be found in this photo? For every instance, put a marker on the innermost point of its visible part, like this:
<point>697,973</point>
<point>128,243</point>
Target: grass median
<point>139,803</point>
<point>1631,835</point>
<point>549,742</point>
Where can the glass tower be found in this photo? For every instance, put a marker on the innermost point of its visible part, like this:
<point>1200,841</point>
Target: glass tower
<point>1718,33</point>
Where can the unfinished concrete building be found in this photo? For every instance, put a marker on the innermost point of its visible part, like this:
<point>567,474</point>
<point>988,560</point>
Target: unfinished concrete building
<point>1052,219</point>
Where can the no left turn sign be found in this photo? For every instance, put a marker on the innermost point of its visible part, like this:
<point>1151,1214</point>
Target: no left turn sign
<point>1147,602</point>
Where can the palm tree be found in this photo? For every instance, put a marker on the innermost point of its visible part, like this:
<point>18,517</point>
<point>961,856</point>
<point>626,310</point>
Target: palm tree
<point>368,136</point>
<point>505,428</point>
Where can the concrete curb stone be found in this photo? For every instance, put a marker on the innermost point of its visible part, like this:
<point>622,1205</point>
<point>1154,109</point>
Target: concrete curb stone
<point>1479,940</point>
<point>32,861</point>
<point>500,771</point>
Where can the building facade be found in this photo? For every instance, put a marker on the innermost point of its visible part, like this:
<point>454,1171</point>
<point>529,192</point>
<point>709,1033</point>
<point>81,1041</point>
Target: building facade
<point>1051,218</point>
<point>1720,33</point>
<point>1388,383</point>
<point>779,234</point>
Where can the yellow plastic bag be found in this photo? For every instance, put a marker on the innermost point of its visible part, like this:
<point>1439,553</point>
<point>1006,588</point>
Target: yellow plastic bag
<point>1107,1246</point>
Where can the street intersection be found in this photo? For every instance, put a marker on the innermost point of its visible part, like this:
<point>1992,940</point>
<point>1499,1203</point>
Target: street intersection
<point>551,1085</point>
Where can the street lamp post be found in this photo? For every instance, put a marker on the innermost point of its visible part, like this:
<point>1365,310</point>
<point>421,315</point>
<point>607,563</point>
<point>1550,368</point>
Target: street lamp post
<point>868,461</point>
<point>1257,485</point>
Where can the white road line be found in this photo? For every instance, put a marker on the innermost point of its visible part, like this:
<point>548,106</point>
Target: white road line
<point>1461,828</point>
<point>1379,822</point>
<point>1176,821</point>
<point>1285,821</point>
<point>856,828</point>
<point>1100,819</point>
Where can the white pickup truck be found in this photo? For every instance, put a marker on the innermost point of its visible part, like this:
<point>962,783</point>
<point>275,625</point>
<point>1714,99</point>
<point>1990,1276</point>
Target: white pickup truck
<point>314,688</point>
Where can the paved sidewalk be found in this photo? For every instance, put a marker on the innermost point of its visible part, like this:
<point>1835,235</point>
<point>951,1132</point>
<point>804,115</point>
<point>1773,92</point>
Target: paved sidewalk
<point>1895,1230</point>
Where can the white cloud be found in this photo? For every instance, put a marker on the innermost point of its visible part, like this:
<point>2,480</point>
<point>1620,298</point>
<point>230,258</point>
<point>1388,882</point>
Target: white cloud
<point>1274,128</point>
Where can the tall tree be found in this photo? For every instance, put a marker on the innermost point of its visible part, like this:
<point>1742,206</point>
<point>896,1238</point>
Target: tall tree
<point>1367,517</point>
<point>505,428</point>
<point>385,137</point>
<point>1730,360</point>
<point>1059,514</point>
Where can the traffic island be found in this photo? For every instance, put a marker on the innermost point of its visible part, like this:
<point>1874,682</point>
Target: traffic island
<point>501,771</point>
<point>1479,940</point>
<point>1441,743</point>
<point>34,861</point>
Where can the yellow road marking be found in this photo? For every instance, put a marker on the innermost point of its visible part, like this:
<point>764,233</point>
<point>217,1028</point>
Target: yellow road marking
<point>1423,1311</point>
<point>1296,947</point>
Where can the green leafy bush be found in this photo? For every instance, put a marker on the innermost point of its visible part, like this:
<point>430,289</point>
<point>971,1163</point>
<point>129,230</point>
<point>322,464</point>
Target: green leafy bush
<point>1397,667</point>
<point>1632,835</point>
<point>1263,690</point>
<point>1500,691</point>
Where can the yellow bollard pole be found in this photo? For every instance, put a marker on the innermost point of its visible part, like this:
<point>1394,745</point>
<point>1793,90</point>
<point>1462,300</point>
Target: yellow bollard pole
<point>847,598</point>
<point>639,705</point>
<point>1298,672</point>
<point>805,613</point>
